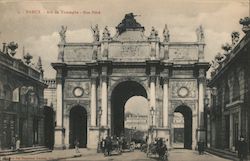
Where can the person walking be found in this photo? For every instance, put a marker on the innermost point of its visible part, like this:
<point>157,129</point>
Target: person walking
<point>13,143</point>
<point>18,144</point>
<point>108,145</point>
<point>77,146</point>
<point>242,148</point>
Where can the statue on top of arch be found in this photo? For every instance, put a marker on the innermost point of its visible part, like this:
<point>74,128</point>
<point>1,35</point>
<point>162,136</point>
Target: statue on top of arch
<point>200,34</point>
<point>166,35</point>
<point>129,22</point>
<point>96,33</point>
<point>62,34</point>
<point>106,34</point>
<point>153,33</point>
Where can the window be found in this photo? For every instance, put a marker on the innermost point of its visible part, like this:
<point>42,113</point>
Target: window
<point>236,90</point>
<point>227,94</point>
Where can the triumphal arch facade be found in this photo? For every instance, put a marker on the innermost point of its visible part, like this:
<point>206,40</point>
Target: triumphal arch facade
<point>94,81</point>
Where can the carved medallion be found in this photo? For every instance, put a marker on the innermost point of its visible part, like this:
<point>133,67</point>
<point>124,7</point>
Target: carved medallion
<point>183,92</point>
<point>78,92</point>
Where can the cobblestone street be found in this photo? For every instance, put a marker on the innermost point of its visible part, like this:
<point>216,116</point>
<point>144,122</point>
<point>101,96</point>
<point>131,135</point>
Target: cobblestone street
<point>91,155</point>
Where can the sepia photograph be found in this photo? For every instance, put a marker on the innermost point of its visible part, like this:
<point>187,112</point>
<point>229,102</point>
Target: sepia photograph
<point>125,80</point>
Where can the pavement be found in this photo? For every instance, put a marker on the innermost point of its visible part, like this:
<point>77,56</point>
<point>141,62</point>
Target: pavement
<point>91,155</point>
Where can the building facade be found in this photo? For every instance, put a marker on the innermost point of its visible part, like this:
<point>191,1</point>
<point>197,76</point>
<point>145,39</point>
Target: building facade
<point>138,122</point>
<point>49,112</point>
<point>21,100</point>
<point>94,81</point>
<point>229,113</point>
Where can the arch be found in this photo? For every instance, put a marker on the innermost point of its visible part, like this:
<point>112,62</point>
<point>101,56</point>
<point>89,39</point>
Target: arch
<point>120,95</point>
<point>49,125</point>
<point>78,126</point>
<point>187,114</point>
<point>125,79</point>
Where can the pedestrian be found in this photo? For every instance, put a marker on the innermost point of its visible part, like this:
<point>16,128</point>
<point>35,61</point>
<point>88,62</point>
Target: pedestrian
<point>77,146</point>
<point>13,143</point>
<point>242,148</point>
<point>103,145</point>
<point>108,145</point>
<point>201,147</point>
<point>18,144</point>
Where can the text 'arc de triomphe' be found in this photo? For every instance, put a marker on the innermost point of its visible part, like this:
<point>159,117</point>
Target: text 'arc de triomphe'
<point>95,79</point>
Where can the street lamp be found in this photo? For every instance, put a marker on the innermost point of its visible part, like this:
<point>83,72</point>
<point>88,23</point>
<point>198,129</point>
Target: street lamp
<point>99,124</point>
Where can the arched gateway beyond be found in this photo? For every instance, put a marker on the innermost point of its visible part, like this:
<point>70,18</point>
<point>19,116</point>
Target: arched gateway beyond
<point>120,95</point>
<point>187,130</point>
<point>78,126</point>
<point>101,76</point>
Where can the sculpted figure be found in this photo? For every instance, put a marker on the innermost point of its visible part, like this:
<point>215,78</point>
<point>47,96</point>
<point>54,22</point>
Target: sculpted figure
<point>235,38</point>
<point>200,34</point>
<point>106,33</point>
<point>166,36</point>
<point>96,32</point>
<point>62,33</point>
<point>153,33</point>
<point>219,58</point>
<point>214,65</point>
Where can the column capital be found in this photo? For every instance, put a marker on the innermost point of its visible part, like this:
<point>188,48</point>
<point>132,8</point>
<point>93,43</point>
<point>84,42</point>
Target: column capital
<point>152,78</point>
<point>104,77</point>
<point>202,75</point>
<point>93,78</point>
<point>165,80</point>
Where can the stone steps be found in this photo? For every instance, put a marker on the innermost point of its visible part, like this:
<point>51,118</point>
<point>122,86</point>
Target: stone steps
<point>34,150</point>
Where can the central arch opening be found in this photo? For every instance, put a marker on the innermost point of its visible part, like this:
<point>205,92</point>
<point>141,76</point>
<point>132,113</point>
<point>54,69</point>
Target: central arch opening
<point>78,126</point>
<point>183,133</point>
<point>120,96</point>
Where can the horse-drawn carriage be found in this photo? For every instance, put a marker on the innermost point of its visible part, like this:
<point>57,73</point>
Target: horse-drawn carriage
<point>117,145</point>
<point>158,149</point>
<point>112,146</point>
<point>128,146</point>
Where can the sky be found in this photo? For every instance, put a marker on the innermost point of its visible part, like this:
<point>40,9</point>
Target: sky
<point>34,24</point>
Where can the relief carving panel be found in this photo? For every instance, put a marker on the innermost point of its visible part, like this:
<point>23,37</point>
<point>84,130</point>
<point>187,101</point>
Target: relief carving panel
<point>78,53</point>
<point>183,53</point>
<point>77,89</point>
<point>183,89</point>
<point>129,51</point>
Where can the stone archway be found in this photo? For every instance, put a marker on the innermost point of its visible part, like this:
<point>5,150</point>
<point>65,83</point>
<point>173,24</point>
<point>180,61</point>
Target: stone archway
<point>120,95</point>
<point>78,126</point>
<point>187,130</point>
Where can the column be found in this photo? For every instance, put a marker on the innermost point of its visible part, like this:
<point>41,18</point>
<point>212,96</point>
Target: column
<point>93,102</point>
<point>59,103</point>
<point>165,102</point>
<point>59,130</point>
<point>201,104</point>
<point>152,96</point>
<point>231,131</point>
<point>104,103</point>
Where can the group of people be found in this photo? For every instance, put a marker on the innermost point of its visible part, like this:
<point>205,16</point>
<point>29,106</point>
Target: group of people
<point>15,143</point>
<point>113,143</point>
